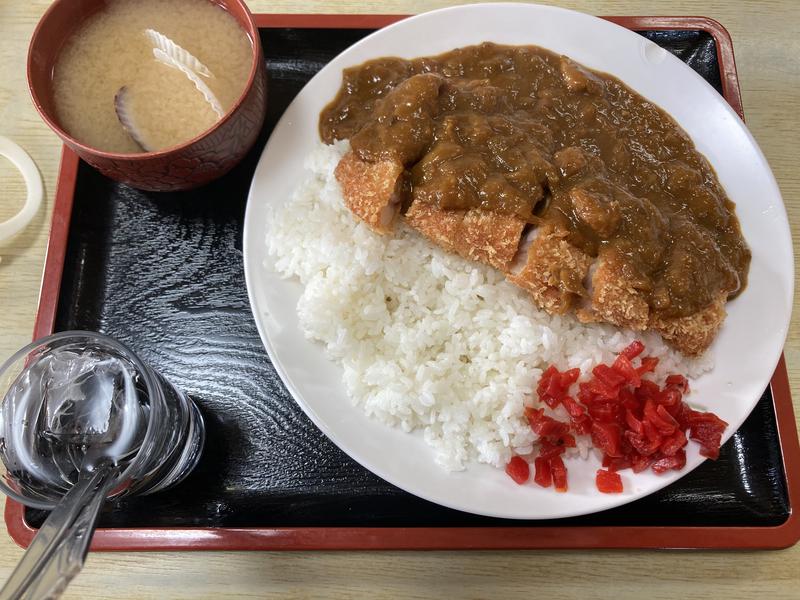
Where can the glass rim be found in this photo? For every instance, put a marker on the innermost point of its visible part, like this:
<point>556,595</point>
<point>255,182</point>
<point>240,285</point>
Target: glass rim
<point>143,369</point>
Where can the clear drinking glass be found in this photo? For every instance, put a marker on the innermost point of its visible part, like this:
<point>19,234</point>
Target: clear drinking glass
<point>76,397</point>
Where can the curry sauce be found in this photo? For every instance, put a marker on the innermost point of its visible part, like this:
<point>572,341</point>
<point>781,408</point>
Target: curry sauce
<point>519,130</point>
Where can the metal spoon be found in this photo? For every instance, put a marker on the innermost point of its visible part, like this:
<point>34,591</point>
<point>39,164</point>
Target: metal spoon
<point>58,551</point>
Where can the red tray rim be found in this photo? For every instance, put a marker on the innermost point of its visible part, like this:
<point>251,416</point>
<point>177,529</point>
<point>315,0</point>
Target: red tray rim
<point>428,538</point>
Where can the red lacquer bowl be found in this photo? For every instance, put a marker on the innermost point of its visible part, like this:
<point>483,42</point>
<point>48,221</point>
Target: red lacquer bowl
<point>193,163</point>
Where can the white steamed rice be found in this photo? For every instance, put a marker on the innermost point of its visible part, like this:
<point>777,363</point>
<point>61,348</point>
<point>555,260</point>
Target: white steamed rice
<point>426,339</point>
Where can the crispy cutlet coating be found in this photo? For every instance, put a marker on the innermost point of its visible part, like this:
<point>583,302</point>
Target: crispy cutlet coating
<point>487,237</point>
<point>692,335</point>
<point>553,271</point>
<point>613,297</point>
<point>371,190</point>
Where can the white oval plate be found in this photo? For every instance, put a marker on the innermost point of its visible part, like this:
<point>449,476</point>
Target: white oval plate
<point>745,352</point>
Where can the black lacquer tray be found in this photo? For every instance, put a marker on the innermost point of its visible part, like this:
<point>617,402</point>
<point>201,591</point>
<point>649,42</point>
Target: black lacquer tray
<point>163,273</point>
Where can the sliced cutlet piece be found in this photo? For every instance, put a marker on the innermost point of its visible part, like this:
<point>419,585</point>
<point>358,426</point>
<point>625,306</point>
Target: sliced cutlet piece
<point>692,335</point>
<point>696,270</point>
<point>550,268</point>
<point>372,191</point>
<point>488,237</point>
<point>614,295</point>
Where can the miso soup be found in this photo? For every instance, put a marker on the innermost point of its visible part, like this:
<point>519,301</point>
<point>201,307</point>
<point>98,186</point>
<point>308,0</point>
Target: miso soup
<point>145,75</point>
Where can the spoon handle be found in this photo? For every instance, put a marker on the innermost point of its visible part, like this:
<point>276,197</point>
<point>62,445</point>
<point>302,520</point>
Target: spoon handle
<point>58,551</point>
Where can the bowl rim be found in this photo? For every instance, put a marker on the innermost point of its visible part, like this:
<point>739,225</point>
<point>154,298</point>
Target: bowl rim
<point>251,31</point>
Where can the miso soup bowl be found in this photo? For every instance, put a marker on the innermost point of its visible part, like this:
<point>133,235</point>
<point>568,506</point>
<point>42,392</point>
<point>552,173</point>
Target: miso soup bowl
<point>188,165</point>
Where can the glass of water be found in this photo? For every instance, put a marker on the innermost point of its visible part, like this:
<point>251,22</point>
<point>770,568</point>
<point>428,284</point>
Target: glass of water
<point>74,397</point>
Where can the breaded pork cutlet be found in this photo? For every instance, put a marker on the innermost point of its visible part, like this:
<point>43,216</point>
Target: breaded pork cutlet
<point>488,237</point>
<point>372,178</point>
<point>579,191</point>
<point>372,191</point>
<point>692,334</point>
<point>613,294</point>
<point>550,269</point>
